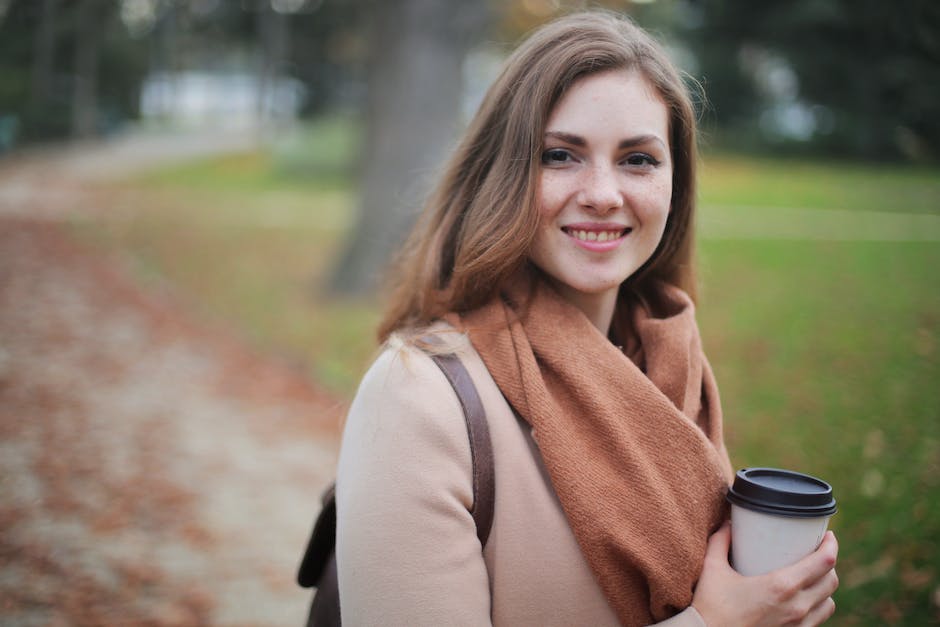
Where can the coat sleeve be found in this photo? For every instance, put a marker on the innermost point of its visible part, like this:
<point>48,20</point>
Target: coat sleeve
<point>407,550</point>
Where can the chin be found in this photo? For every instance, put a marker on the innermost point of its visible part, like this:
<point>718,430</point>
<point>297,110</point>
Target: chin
<point>602,284</point>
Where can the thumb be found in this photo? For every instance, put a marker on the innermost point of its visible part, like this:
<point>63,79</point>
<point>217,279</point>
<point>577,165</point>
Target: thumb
<point>719,543</point>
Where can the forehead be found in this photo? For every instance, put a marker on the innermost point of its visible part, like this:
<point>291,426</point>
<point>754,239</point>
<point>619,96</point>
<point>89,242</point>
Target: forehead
<point>611,102</point>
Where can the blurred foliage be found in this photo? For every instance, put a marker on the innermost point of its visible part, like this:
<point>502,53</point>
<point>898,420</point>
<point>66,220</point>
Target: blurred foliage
<point>859,76</point>
<point>39,75</point>
<point>837,77</point>
<point>321,44</point>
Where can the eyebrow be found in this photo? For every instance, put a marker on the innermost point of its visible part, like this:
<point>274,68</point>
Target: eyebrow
<point>577,140</point>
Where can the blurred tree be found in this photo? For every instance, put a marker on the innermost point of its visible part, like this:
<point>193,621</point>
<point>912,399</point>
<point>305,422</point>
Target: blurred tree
<point>292,37</point>
<point>848,77</point>
<point>329,52</point>
<point>417,48</point>
<point>89,15</point>
<point>274,36</point>
<point>78,65</point>
<point>44,53</point>
<point>52,57</point>
<point>29,89</point>
<point>866,70</point>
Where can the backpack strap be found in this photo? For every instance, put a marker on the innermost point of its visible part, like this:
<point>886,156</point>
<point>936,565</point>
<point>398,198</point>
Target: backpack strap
<point>318,566</point>
<point>481,448</point>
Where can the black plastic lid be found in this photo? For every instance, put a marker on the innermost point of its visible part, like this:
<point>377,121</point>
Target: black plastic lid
<point>782,492</point>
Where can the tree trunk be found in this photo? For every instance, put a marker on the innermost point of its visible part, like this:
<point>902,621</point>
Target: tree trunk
<point>43,54</point>
<point>274,33</point>
<point>418,47</point>
<point>85,93</point>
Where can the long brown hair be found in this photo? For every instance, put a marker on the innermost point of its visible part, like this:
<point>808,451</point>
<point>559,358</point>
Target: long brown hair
<point>479,222</point>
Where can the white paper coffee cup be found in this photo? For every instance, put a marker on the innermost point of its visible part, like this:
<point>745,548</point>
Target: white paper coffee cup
<point>777,517</point>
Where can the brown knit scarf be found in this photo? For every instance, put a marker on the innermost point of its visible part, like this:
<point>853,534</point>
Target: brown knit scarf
<point>634,450</point>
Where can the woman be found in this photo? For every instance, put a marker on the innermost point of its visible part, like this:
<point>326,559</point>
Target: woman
<point>555,258</point>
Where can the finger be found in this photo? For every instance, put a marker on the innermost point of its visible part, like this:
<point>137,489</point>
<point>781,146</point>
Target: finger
<point>832,538</point>
<point>820,613</point>
<point>828,548</point>
<point>719,543</point>
<point>823,588</point>
<point>812,567</point>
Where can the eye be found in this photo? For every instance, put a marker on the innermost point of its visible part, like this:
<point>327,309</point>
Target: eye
<point>641,159</point>
<point>556,156</point>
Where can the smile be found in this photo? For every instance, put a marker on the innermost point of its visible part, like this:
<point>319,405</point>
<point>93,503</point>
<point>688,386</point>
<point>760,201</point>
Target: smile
<point>596,235</point>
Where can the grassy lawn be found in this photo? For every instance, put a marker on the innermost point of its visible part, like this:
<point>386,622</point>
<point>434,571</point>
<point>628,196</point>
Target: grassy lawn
<point>765,182</point>
<point>827,352</point>
<point>827,358</point>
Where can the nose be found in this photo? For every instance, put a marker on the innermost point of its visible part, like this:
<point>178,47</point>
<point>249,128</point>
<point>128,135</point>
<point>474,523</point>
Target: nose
<point>600,189</point>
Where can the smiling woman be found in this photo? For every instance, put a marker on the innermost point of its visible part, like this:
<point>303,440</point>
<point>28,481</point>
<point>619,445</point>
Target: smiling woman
<point>604,190</point>
<point>554,260</point>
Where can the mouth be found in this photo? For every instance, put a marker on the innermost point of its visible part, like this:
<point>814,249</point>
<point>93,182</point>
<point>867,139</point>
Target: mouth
<point>595,233</point>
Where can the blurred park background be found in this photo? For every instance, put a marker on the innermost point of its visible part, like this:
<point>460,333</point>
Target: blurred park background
<point>198,198</point>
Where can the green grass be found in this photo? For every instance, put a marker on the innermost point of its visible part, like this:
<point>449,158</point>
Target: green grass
<point>827,353</point>
<point>764,182</point>
<point>316,157</point>
<point>828,359</point>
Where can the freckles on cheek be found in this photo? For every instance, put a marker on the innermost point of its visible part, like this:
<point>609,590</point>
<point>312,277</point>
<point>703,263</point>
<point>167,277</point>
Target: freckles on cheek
<point>655,203</point>
<point>540,203</point>
<point>661,197</point>
<point>547,196</point>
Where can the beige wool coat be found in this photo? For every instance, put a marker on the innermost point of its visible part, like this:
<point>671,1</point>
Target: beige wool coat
<point>407,549</point>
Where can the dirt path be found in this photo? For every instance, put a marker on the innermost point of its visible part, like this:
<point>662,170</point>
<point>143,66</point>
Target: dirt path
<point>152,471</point>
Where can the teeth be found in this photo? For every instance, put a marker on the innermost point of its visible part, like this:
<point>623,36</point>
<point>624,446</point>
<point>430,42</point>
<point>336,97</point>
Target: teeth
<point>596,236</point>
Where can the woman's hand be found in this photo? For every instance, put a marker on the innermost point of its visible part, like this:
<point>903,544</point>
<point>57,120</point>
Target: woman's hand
<point>799,594</point>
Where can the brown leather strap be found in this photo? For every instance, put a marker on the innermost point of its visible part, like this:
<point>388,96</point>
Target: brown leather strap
<point>481,448</point>
<point>318,567</point>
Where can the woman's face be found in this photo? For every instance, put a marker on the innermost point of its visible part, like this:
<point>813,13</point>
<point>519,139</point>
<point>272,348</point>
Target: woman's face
<point>605,184</point>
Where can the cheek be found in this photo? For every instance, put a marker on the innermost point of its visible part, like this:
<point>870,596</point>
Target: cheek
<point>550,194</point>
<point>657,203</point>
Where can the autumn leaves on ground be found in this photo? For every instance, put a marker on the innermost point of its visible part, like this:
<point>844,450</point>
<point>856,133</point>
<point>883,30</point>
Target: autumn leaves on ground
<point>154,471</point>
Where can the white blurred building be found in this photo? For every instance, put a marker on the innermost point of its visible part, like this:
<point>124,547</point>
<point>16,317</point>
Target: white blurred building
<point>230,100</point>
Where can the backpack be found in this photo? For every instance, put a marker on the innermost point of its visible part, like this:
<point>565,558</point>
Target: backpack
<point>318,566</point>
